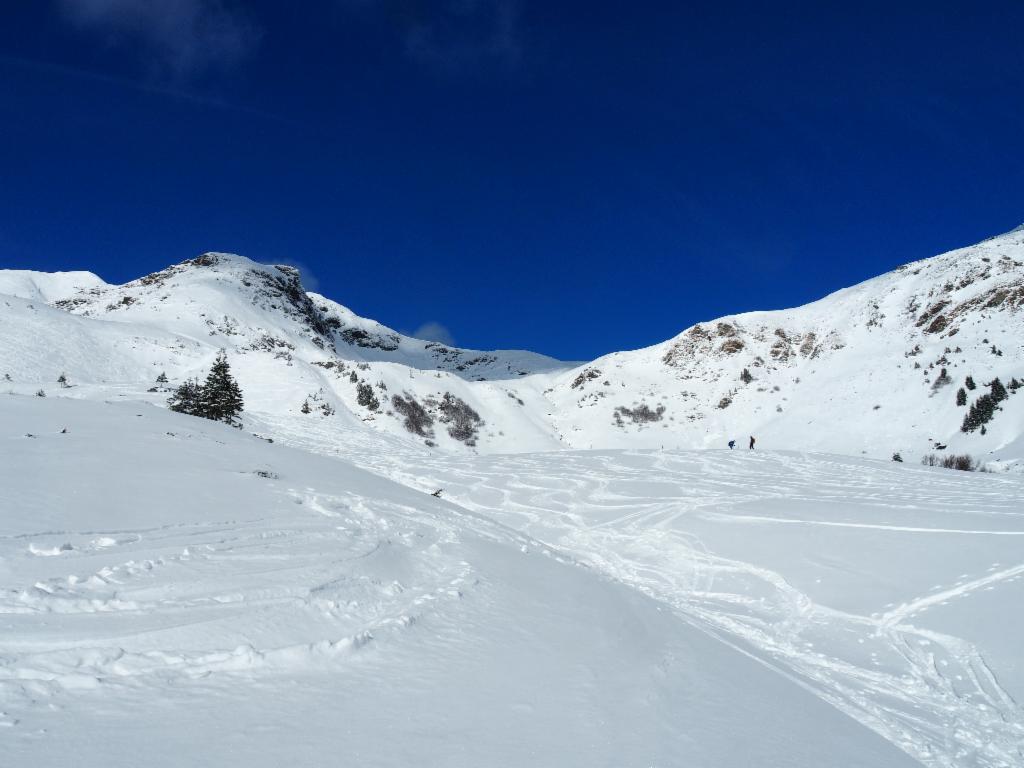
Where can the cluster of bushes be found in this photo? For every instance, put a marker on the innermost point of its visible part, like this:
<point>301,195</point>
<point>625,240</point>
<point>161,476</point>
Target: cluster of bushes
<point>642,414</point>
<point>461,419</point>
<point>415,417</point>
<point>587,375</point>
<point>962,462</point>
<point>323,406</point>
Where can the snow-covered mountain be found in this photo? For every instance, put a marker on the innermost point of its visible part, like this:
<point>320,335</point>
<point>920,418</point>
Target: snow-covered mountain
<point>400,560</point>
<point>870,369</point>
<point>873,369</point>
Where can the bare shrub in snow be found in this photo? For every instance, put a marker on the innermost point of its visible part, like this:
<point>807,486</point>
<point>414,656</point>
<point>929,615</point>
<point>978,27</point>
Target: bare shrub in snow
<point>963,462</point>
<point>942,380</point>
<point>415,417</point>
<point>589,373</point>
<point>463,421</point>
<point>642,414</point>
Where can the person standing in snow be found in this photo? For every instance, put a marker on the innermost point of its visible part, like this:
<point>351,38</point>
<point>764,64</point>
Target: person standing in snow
<point>751,442</point>
<point>732,444</point>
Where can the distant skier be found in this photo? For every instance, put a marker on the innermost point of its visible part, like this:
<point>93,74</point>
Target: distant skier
<point>732,444</point>
<point>751,442</point>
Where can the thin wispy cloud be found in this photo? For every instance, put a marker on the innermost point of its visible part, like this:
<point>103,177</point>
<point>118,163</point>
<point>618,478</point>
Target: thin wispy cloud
<point>180,38</point>
<point>180,91</point>
<point>434,331</point>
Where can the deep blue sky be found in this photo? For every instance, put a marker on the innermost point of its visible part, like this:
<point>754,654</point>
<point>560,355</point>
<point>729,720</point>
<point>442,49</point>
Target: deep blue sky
<point>570,177</point>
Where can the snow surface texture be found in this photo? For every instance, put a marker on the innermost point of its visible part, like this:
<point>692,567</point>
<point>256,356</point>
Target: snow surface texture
<point>204,595</point>
<point>176,592</point>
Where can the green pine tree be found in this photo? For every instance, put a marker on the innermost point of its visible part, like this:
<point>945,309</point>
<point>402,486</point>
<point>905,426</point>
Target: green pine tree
<point>998,390</point>
<point>186,398</point>
<point>221,397</point>
<point>984,408</point>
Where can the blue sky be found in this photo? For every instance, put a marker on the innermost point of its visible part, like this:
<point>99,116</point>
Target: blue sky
<point>572,177</point>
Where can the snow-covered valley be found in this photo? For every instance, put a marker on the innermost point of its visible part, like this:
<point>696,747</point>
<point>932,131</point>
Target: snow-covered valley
<point>180,593</point>
<point>416,554</point>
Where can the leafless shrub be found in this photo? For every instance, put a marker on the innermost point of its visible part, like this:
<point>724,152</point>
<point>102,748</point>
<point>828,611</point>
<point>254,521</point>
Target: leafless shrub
<point>415,417</point>
<point>963,462</point>
<point>642,414</point>
<point>589,373</point>
<point>463,421</point>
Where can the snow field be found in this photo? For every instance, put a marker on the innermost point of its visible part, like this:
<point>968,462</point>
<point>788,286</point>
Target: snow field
<point>885,588</point>
<point>179,592</point>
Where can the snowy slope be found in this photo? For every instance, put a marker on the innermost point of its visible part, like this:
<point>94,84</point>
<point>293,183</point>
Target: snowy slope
<point>891,590</point>
<point>46,286</point>
<point>858,372</point>
<point>175,592</point>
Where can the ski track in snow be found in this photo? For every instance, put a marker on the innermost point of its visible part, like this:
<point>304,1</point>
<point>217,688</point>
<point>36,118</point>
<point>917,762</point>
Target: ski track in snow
<point>626,515</point>
<point>265,572</point>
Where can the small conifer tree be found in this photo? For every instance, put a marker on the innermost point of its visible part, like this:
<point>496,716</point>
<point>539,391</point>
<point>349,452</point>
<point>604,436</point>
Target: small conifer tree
<point>998,390</point>
<point>162,378</point>
<point>63,381</point>
<point>969,383</point>
<point>305,406</point>
<point>365,396</point>
<point>186,398</point>
<point>221,397</point>
<point>981,412</point>
<point>961,397</point>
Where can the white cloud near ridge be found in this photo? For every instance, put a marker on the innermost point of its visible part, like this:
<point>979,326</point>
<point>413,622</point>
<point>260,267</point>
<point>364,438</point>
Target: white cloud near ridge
<point>434,331</point>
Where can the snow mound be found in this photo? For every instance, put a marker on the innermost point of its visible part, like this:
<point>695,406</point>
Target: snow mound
<point>46,286</point>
